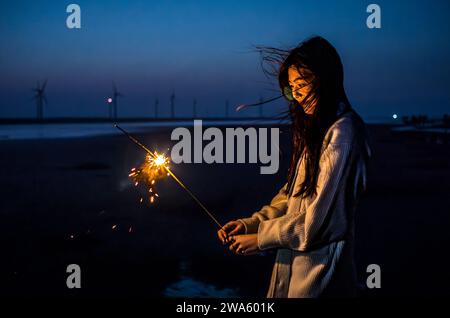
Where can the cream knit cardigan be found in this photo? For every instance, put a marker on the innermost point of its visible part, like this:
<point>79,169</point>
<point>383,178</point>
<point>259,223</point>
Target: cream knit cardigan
<point>314,235</point>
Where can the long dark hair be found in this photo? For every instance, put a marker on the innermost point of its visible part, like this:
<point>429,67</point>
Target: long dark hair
<point>317,56</point>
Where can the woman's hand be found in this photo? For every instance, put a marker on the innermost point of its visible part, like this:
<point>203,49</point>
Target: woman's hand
<point>246,244</point>
<point>231,228</point>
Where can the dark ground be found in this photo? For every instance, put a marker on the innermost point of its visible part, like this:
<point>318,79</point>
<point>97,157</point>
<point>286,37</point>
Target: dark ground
<point>53,189</point>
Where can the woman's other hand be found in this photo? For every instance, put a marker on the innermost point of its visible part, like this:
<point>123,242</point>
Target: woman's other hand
<point>229,229</point>
<point>246,244</point>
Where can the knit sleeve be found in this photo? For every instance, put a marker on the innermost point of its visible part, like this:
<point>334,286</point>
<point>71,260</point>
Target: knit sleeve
<point>275,209</point>
<point>299,230</point>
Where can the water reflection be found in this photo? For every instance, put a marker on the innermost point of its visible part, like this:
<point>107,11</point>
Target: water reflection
<point>188,286</point>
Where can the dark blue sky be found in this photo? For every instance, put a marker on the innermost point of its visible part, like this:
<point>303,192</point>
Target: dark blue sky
<point>202,49</point>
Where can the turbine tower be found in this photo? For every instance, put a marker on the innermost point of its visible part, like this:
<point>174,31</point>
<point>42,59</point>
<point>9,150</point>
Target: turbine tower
<point>227,107</point>
<point>172,105</point>
<point>156,107</point>
<point>40,99</point>
<point>194,108</point>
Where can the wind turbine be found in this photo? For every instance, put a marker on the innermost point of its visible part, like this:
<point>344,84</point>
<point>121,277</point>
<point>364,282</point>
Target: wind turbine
<point>156,107</point>
<point>40,99</point>
<point>227,106</point>
<point>172,105</point>
<point>116,95</point>
<point>194,108</point>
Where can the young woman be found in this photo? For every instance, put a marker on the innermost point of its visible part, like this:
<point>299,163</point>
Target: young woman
<point>310,222</point>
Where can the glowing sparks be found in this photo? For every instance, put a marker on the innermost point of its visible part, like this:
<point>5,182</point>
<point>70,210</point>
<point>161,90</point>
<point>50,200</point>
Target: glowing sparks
<point>160,160</point>
<point>154,168</point>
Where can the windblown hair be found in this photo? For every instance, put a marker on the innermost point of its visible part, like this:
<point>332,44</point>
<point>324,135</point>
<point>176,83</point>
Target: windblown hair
<point>318,61</point>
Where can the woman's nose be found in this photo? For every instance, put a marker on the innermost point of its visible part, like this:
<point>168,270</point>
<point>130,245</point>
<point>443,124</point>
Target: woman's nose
<point>297,94</point>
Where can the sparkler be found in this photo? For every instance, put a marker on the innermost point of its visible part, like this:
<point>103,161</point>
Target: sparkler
<point>154,168</point>
<point>151,170</point>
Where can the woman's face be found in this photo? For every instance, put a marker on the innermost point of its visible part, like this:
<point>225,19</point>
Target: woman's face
<point>300,85</point>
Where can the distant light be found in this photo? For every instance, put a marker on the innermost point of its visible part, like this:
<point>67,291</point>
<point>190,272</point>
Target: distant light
<point>109,100</point>
<point>394,116</point>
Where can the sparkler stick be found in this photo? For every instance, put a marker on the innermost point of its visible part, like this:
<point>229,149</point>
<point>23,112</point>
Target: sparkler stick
<point>137,142</point>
